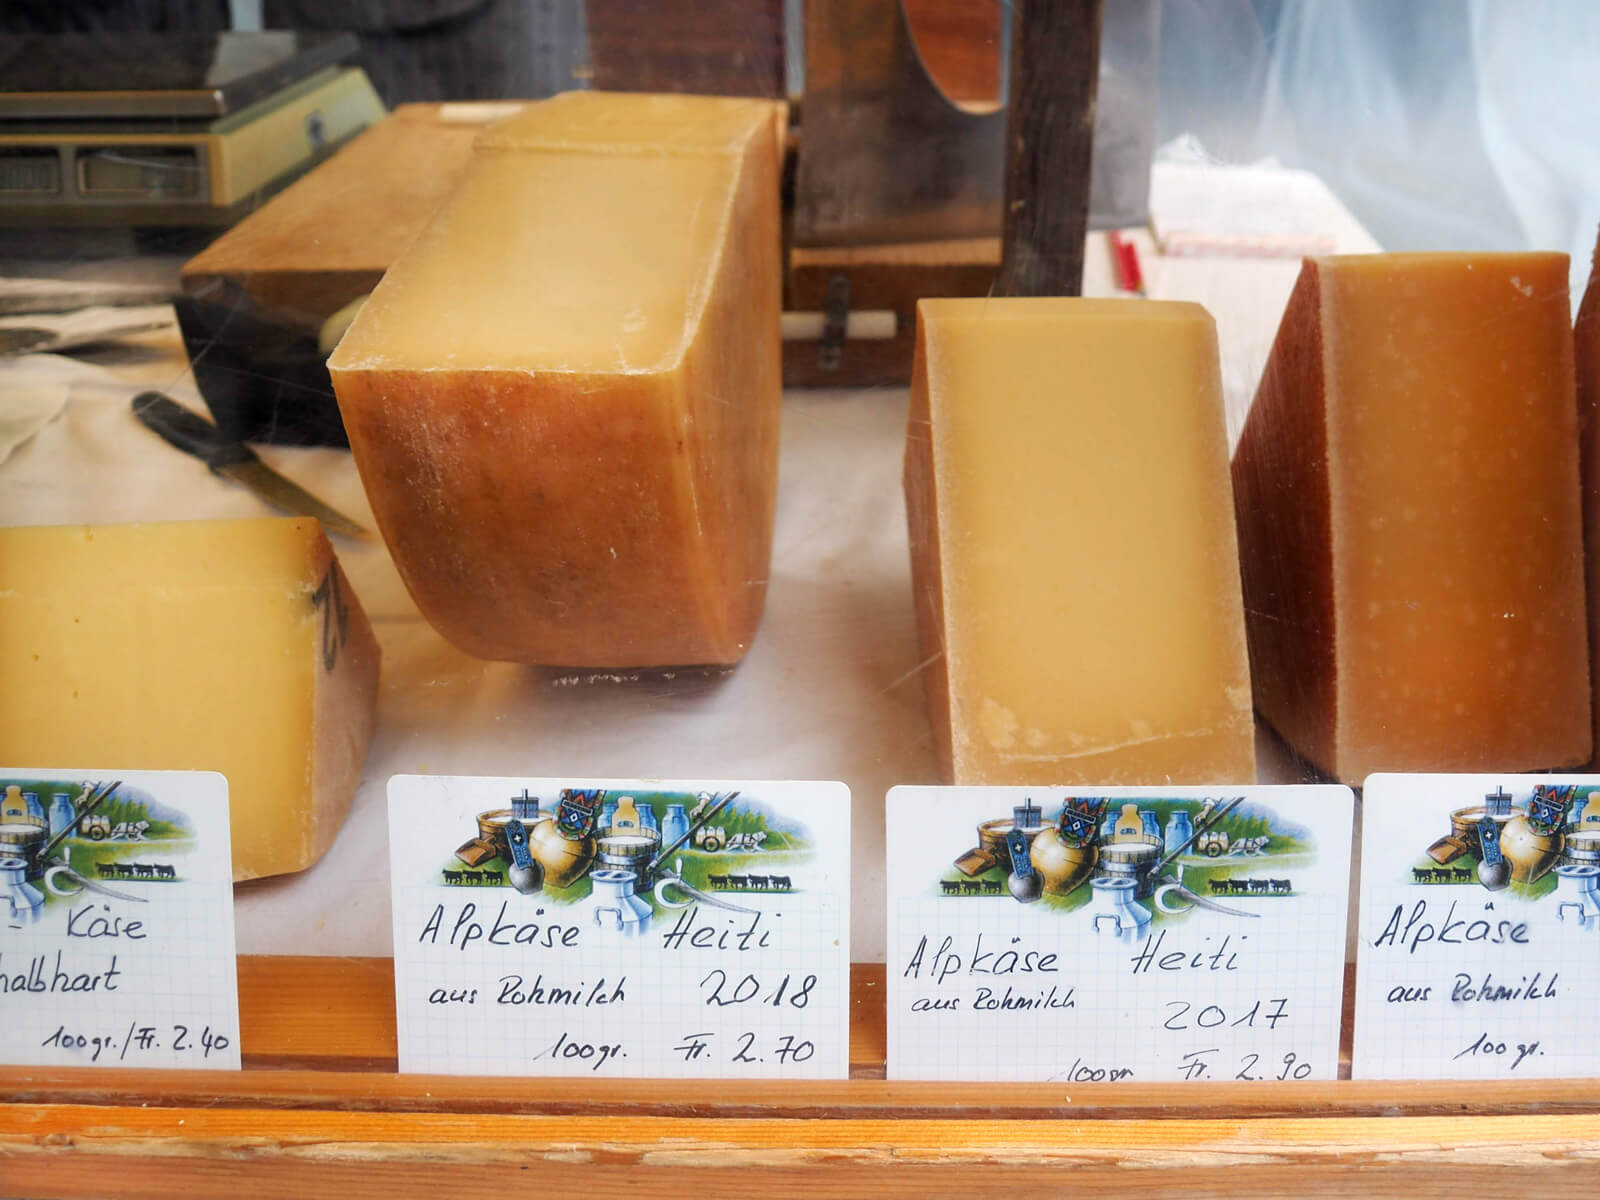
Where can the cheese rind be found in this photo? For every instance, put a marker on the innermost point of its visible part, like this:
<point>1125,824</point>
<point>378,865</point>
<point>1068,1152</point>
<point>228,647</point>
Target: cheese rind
<point>1072,538</point>
<point>1587,360</point>
<point>1409,525</point>
<point>231,646</point>
<point>564,398</point>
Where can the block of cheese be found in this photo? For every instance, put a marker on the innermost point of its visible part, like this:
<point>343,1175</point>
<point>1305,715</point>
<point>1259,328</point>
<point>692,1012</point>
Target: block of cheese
<point>1409,528</point>
<point>1587,333</point>
<point>1073,557</point>
<point>564,398</point>
<point>231,646</point>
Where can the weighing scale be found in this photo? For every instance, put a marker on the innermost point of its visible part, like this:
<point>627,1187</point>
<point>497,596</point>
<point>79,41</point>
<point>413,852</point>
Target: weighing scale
<point>126,130</point>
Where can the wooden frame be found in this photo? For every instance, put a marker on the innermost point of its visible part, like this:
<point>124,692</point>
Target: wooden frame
<point>319,1107</point>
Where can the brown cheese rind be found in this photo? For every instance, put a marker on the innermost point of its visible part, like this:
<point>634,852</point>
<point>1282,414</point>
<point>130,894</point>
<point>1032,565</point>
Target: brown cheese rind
<point>1281,503</point>
<point>1587,359</point>
<point>593,483</point>
<point>1440,529</point>
<point>927,573</point>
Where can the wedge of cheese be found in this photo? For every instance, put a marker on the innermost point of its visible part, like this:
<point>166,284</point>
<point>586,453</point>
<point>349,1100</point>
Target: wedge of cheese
<point>1409,522</point>
<point>564,398</point>
<point>1077,582</point>
<point>1587,333</point>
<point>231,646</point>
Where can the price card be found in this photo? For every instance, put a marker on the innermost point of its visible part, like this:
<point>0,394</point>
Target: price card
<point>608,927</point>
<point>1479,951</point>
<point>116,930</point>
<point>1117,934</point>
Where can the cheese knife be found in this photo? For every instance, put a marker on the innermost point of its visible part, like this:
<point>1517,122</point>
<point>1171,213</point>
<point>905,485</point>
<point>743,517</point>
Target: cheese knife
<point>195,435</point>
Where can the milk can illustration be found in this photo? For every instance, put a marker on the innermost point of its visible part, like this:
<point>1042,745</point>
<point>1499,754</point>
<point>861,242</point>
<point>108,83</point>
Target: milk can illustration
<point>1578,896</point>
<point>617,906</point>
<point>1113,910</point>
<point>62,814</point>
<point>675,826</point>
<point>1180,828</point>
<point>25,901</point>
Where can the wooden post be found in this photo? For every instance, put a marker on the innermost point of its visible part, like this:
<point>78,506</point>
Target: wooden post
<point>1055,57</point>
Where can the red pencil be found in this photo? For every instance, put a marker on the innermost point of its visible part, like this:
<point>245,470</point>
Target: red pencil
<point>1125,261</point>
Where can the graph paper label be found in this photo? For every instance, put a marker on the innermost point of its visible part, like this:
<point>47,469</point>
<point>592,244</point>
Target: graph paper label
<point>621,928</point>
<point>1117,934</point>
<point>116,931</point>
<point>1480,927</point>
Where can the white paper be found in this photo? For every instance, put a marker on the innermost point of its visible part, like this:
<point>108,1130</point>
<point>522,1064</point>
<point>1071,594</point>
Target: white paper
<point>1467,969</point>
<point>116,941</point>
<point>1243,211</point>
<point>732,962</point>
<point>1092,982</point>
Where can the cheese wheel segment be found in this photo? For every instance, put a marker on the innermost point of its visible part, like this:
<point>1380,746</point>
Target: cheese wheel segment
<point>1073,555</point>
<point>564,398</point>
<point>1587,358</point>
<point>231,646</point>
<point>1407,487</point>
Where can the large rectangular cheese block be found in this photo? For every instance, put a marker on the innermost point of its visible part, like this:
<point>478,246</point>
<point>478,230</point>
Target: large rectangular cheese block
<point>563,398</point>
<point>1587,360</point>
<point>1409,524</point>
<point>329,236</point>
<point>231,646</point>
<point>254,302</point>
<point>1076,578</point>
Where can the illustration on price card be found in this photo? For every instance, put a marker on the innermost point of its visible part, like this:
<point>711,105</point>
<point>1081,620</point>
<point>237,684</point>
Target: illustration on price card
<point>1539,840</point>
<point>1134,861</point>
<point>628,856</point>
<point>1478,954</point>
<point>116,934</point>
<point>1118,933</point>
<point>63,839</point>
<point>621,927</point>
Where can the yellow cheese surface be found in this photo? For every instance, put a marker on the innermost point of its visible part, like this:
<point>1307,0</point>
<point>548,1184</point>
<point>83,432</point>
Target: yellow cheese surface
<point>563,399</point>
<point>1407,485</point>
<point>1073,545</point>
<point>231,646</point>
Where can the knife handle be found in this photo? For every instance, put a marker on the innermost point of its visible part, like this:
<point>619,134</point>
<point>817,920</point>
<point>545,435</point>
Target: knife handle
<point>189,431</point>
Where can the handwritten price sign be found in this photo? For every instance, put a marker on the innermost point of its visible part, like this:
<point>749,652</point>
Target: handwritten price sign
<point>116,943</point>
<point>1480,927</point>
<point>1123,934</point>
<point>621,927</point>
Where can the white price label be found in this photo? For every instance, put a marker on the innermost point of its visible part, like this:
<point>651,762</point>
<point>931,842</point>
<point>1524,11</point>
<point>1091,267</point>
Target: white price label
<point>621,927</point>
<point>1117,933</point>
<point>116,930</point>
<point>1479,951</point>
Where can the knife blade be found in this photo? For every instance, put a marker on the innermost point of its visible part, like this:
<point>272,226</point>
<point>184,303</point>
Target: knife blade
<point>195,435</point>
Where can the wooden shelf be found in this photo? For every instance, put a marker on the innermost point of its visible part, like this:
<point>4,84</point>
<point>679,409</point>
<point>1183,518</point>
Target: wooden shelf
<point>319,1107</point>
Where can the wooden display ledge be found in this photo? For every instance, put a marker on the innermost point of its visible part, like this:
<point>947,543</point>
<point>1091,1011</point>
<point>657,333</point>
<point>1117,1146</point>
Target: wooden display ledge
<point>319,1108</point>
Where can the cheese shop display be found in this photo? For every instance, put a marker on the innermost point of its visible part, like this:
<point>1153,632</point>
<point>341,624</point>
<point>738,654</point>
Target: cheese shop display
<point>1409,518</point>
<point>1588,368</point>
<point>231,646</point>
<point>564,397</point>
<point>1072,541</point>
